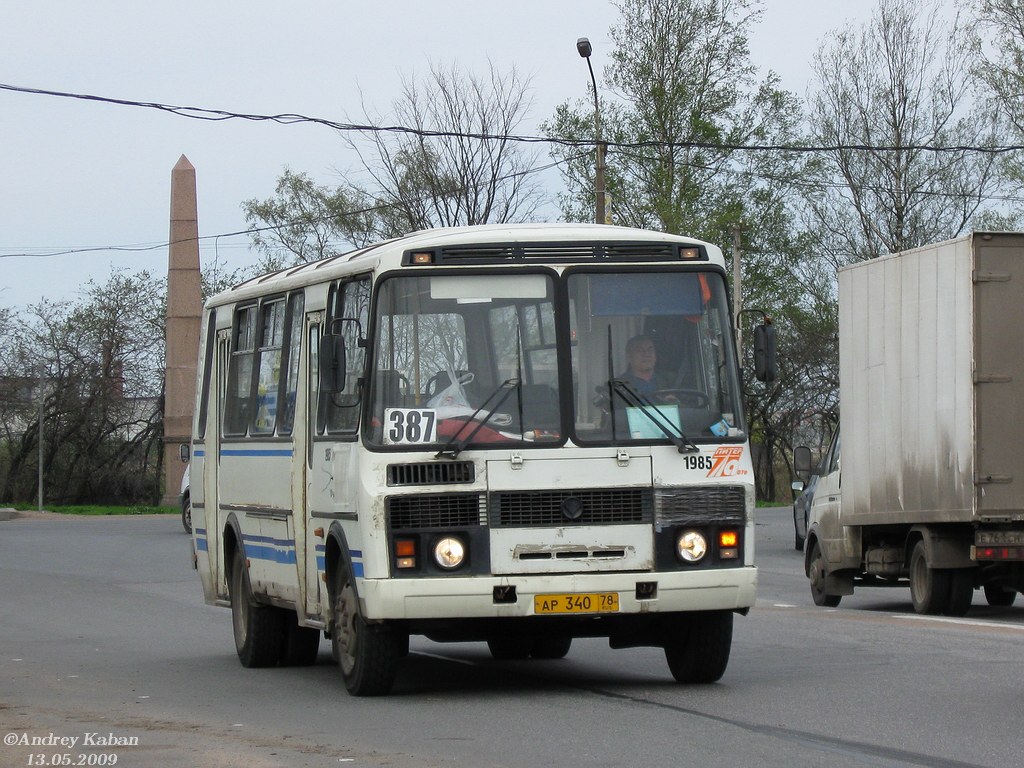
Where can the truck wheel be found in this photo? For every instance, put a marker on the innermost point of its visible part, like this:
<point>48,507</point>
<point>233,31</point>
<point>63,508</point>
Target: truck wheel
<point>259,629</point>
<point>998,596</point>
<point>930,588</point>
<point>701,653</point>
<point>551,647</point>
<point>961,591</point>
<point>816,573</point>
<point>367,654</point>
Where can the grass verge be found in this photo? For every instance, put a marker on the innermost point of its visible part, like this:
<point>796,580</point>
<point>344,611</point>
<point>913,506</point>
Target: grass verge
<point>97,509</point>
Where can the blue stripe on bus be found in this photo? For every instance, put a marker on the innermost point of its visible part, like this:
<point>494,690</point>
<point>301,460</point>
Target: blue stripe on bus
<point>285,557</point>
<point>260,452</point>
<point>281,551</point>
<point>198,452</point>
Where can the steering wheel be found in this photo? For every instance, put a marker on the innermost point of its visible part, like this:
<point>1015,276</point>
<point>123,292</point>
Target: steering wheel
<point>690,398</point>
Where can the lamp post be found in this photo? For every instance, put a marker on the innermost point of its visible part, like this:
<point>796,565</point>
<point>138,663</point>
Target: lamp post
<point>583,46</point>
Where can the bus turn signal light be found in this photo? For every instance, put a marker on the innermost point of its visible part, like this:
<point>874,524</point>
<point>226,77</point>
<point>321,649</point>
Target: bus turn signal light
<point>728,545</point>
<point>405,553</point>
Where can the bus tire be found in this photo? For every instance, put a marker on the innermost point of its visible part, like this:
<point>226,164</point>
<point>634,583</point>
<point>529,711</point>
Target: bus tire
<point>509,648</point>
<point>551,647</point>
<point>930,588</point>
<point>367,654</point>
<point>258,629</point>
<point>699,653</point>
<point>301,644</point>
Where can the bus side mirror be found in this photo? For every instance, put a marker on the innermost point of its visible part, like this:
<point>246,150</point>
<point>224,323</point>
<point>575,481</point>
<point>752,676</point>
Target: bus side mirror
<point>332,363</point>
<point>765,359</point>
<point>184,452</point>
<point>802,462</point>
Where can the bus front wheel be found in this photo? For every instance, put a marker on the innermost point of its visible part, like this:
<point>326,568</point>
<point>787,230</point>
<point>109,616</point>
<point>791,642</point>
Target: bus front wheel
<point>367,654</point>
<point>699,652</point>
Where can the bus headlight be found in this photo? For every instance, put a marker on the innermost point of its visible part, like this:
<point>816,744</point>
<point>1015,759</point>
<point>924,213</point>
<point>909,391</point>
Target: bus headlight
<point>691,546</point>
<point>449,552</point>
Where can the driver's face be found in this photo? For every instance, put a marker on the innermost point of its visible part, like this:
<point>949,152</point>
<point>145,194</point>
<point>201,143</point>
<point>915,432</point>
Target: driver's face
<point>643,358</point>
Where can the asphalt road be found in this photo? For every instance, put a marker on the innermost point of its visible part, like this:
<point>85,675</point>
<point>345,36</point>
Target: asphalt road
<point>104,637</point>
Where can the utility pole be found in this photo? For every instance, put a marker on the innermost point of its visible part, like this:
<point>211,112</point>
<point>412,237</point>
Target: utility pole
<point>600,212</point>
<point>42,402</point>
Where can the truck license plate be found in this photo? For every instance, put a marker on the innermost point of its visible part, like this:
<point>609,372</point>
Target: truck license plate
<point>593,602</point>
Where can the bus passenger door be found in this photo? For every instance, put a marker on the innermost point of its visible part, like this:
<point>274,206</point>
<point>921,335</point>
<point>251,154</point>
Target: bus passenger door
<point>211,467</point>
<point>309,547</point>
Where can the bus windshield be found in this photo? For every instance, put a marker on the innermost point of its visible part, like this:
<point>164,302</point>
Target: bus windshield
<point>465,359</point>
<point>473,359</point>
<point>652,357</point>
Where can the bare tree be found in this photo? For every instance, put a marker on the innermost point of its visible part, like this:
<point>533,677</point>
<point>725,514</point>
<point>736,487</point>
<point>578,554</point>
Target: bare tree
<point>895,94</point>
<point>440,172</point>
<point>449,178</point>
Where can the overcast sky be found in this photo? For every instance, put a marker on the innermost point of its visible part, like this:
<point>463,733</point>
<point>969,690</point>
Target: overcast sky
<point>78,174</point>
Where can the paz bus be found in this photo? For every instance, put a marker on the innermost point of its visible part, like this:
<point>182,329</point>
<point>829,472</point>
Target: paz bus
<point>436,435</point>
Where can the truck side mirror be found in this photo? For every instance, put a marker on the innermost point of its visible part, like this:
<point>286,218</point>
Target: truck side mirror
<point>765,359</point>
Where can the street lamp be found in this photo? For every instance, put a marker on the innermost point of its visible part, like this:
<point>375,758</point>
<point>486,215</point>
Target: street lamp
<point>583,46</point>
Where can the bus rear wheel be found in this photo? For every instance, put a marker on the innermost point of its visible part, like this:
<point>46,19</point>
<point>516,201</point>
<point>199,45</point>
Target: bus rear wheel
<point>551,647</point>
<point>367,654</point>
<point>259,629</point>
<point>509,648</point>
<point>700,653</point>
<point>301,644</point>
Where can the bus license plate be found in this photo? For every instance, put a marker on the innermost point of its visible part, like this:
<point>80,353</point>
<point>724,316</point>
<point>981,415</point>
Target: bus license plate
<point>593,602</point>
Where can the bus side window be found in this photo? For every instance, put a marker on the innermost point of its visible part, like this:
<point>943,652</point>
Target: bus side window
<point>204,393</point>
<point>353,302</point>
<point>237,405</point>
<point>291,381</point>
<point>269,367</point>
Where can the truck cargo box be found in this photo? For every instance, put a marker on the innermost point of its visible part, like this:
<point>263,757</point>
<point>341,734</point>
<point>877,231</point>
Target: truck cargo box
<point>932,371</point>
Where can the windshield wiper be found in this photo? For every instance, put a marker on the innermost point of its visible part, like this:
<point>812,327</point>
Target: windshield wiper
<point>455,446</point>
<point>682,443</point>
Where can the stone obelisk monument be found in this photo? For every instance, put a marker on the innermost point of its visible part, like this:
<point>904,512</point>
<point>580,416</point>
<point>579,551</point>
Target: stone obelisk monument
<point>184,305</point>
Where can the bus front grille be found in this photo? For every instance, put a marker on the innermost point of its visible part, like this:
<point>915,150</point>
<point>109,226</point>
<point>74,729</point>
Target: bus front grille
<point>590,506</point>
<point>692,506</point>
<point>435,510</point>
<point>431,473</point>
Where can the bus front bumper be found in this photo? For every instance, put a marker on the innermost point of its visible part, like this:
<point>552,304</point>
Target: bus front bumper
<point>513,596</point>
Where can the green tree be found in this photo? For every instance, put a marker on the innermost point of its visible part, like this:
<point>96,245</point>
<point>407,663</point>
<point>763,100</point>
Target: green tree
<point>97,364</point>
<point>685,95</point>
<point>889,94</point>
<point>999,66</point>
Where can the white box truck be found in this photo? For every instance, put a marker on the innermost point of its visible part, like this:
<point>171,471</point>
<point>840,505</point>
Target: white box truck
<point>927,487</point>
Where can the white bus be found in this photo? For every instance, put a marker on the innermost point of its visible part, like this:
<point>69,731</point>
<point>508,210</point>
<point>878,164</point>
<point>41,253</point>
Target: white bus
<point>438,435</point>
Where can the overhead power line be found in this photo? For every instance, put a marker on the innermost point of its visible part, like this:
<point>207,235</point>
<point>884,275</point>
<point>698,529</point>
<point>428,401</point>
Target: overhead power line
<point>203,113</point>
<point>270,227</point>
